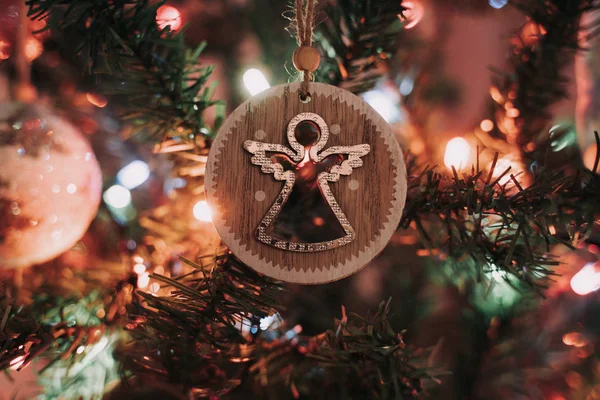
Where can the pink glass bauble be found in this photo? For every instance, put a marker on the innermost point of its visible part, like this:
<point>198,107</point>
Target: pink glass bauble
<point>50,185</point>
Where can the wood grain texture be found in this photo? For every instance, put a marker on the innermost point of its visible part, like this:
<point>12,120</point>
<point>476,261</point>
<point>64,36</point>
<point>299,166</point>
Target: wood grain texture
<point>374,208</point>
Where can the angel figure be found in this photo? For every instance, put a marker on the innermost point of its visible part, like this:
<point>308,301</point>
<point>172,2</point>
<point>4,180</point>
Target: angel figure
<point>306,217</point>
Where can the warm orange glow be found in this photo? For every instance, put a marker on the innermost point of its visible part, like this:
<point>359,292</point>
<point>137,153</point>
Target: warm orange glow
<point>589,157</point>
<point>496,95</point>
<point>457,153</point>
<point>33,48</point>
<point>587,280</point>
<point>37,28</point>
<point>168,16</point>
<point>556,397</point>
<point>96,99</point>
<point>486,125</point>
<point>512,113</point>
<point>575,339</point>
<point>531,33</point>
<point>4,49</point>
<point>414,13</point>
<point>502,165</point>
<point>573,379</point>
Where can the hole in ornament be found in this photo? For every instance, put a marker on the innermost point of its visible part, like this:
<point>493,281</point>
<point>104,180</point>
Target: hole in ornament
<point>307,133</point>
<point>305,97</point>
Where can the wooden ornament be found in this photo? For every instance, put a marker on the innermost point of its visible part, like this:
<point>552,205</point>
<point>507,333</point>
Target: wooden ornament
<point>306,58</point>
<point>306,192</point>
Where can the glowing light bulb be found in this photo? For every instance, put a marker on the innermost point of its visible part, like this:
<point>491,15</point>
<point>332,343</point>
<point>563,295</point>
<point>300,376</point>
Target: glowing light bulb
<point>255,81</point>
<point>587,280</point>
<point>202,211</point>
<point>168,16</point>
<point>117,196</point>
<point>457,153</point>
<point>133,174</point>
<point>414,13</point>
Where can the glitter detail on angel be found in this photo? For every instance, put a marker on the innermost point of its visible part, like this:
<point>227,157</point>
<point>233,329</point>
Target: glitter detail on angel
<point>306,217</point>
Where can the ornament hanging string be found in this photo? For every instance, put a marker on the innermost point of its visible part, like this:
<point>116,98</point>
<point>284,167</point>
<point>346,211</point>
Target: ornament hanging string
<point>304,22</point>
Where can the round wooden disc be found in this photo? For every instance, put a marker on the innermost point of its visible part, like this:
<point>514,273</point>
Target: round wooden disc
<point>240,194</point>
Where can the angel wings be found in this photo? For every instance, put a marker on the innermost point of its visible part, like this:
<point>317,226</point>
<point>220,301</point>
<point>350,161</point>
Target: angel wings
<point>306,216</point>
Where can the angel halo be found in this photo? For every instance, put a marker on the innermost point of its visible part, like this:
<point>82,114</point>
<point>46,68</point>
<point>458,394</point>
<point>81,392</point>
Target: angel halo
<point>307,169</point>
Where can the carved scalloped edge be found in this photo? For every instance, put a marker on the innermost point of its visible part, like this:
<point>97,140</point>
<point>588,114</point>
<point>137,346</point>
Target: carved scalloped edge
<point>313,275</point>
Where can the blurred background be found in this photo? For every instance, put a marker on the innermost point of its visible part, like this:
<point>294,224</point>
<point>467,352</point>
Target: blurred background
<point>495,339</point>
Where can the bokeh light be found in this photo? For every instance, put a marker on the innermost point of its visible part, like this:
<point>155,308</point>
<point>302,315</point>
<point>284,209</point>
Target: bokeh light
<point>384,104</point>
<point>202,211</point>
<point>487,125</point>
<point>5,49</point>
<point>96,99</point>
<point>457,153</point>
<point>168,16</point>
<point>587,280</point>
<point>33,48</point>
<point>117,196</point>
<point>255,81</point>
<point>498,4</point>
<point>133,174</point>
<point>414,13</point>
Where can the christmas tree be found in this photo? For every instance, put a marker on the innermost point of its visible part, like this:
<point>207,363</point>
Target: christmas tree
<point>119,282</point>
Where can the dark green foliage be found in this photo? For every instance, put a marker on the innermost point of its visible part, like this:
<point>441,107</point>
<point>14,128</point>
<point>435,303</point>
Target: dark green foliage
<point>536,77</point>
<point>192,338</point>
<point>148,69</point>
<point>503,226</point>
<point>356,36</point>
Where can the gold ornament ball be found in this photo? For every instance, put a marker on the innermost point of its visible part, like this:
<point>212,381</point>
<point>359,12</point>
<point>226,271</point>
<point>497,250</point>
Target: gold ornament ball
<point>50,185</point>
<point>306,58</point>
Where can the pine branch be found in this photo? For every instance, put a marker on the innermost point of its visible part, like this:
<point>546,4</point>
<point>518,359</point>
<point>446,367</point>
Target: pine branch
<point>503,226</point>
<point>536,78</point>
<point>71,324</point>
<point>188,337</point>
<point>193,338</point>
<point>362,358</point>
<point>147,69</point>
<point>356,37</point>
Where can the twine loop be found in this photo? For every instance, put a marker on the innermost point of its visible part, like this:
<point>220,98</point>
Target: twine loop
<point>305,17</point>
